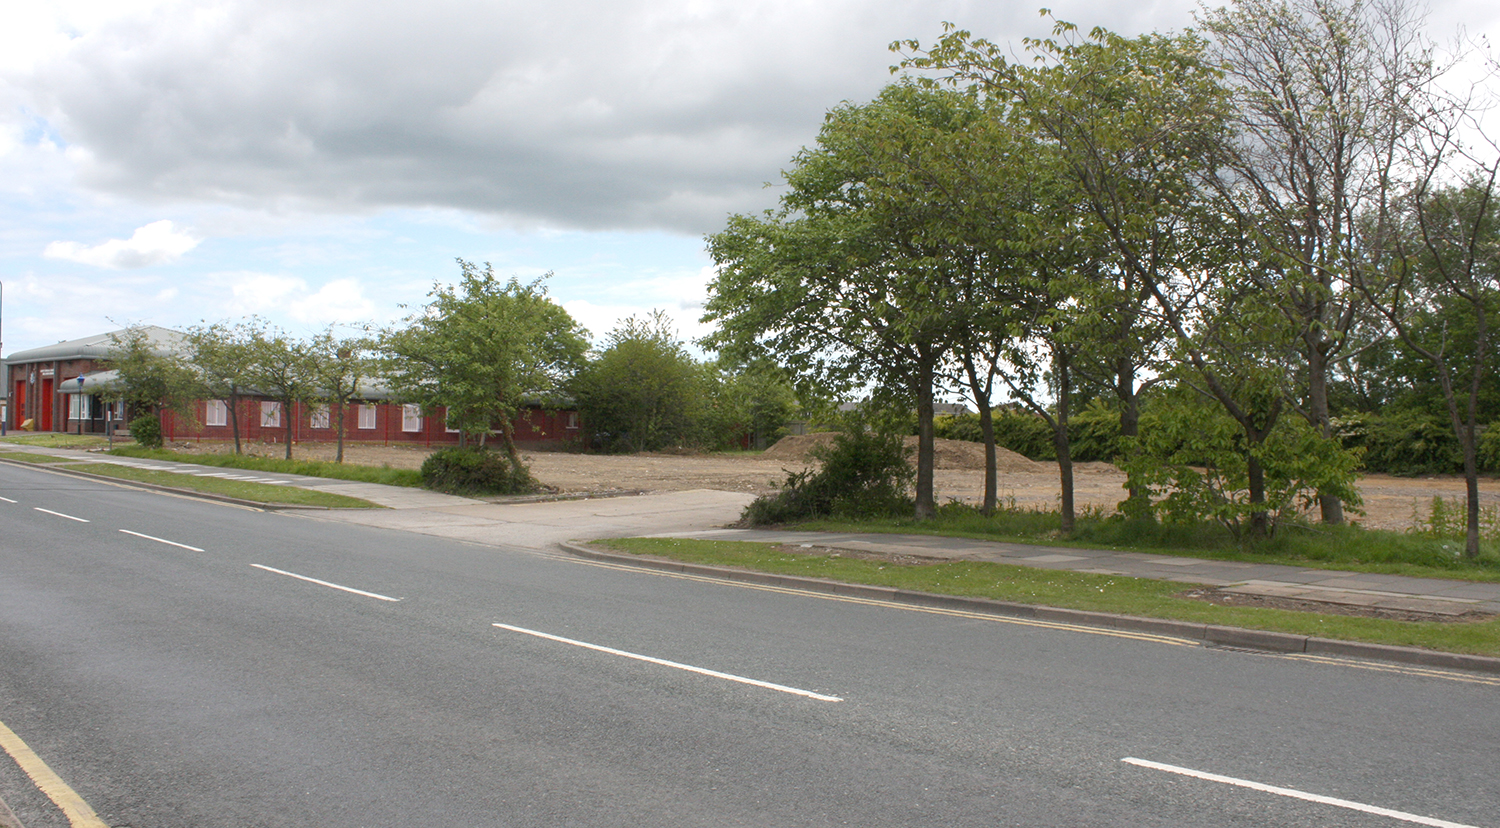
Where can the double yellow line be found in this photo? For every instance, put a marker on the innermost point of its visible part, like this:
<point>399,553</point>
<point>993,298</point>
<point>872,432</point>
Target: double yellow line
<point>78,812</point>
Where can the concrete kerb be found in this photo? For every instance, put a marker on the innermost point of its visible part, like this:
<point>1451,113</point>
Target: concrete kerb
<point>1210,634</point>
<point>156,487</point>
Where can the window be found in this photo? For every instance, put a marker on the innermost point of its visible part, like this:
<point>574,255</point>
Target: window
<point>366,416</point>
<point>270,414</point>
<point>217,413</point>
<point>448,425</point>
<point>411,417</point>
<point>319,417</point>
<point>78,407</point>
<point>572,419</point>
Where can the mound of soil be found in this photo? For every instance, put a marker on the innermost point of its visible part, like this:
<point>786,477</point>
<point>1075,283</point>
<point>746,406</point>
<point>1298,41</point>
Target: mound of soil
<point>949,454</point>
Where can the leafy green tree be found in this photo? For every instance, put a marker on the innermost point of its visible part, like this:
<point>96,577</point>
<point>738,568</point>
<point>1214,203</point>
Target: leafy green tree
<point>483,348</point>
<point>282,369</point>
<point>223,355</point>
<point>851,283</point>
<point>1137,125</point>
<point>643,392</point>
<point>1448,258</point>
<point>340,366</point>
<point>755,400</point>
<point>153,376</point>
<point>1322,92</point>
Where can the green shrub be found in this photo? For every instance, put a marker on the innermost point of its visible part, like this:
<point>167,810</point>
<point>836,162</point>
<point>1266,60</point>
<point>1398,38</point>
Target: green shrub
<point>1489,448</point>
<point>146,431</point>
<point>1093,433</point>
<point>476,471</point>
<point>963,426</point>
<point>1402,442</point>
<point>865,473</point>
<point>1194,459</point>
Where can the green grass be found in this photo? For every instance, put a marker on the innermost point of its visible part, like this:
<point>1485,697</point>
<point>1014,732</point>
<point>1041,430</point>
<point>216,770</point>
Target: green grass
<point>1073,590</point>
<point>410,478</point>
<point>1348,548</point>
<point>255,492</point>
<point>57,440</point>
<point>27,457</point>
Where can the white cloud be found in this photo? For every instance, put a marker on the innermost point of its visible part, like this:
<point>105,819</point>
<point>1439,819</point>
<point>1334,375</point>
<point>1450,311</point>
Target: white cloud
<point>157,243</point>
<point>341,300</point>
<point>257,292</point>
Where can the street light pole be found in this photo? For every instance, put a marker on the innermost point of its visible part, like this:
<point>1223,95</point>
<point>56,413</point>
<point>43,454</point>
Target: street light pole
<point>81,401</point>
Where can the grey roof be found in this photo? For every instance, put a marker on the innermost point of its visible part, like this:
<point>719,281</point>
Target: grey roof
<point>97,346</point>
<point>96,382</point>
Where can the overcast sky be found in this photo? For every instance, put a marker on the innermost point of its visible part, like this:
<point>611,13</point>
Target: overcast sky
<point>324,161</point>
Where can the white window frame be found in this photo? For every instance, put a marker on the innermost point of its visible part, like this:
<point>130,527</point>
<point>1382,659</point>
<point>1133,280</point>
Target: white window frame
<point>448,422</point>
<point>411,418</point>
<point>367,416</point>
<point>215,413</point>
<point>572,421</point>
<point>270,414</point>
<point>320,416</point>
<point>78,407</point>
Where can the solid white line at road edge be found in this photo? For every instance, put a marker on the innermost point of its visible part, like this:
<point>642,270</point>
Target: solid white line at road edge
<point>663,662</point>
<point>162,540</point>
<point>1296,794</point>
<point>326,583</point>
<point>60,514</point>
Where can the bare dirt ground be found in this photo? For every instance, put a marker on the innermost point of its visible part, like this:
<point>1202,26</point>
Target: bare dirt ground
<point>1390,502</point>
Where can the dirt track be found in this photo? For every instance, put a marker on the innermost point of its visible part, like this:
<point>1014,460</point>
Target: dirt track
<point>1390,502</point>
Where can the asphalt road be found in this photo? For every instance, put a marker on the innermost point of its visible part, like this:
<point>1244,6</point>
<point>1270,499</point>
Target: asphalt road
<point>211,686</point>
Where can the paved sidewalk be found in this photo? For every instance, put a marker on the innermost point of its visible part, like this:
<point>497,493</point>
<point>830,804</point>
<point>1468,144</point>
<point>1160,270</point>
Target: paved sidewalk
<point>1434,595</point>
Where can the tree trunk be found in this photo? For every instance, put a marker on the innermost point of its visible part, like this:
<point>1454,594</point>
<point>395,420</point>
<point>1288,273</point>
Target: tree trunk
<point>1061,444</point>
<point>926,505</point>
<point>290,414</point>
<point>1260,521</point>
<point>339,457</point>
<point>1139,497</point>
<point>1331,507</point>
<point>987,431</point>
<point>234,420</point>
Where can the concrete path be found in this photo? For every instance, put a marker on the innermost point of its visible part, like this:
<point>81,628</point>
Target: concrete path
<point>544,524</point>
<point>1434,595</point>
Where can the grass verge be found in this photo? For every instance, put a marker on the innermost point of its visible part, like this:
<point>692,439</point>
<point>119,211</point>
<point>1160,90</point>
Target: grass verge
<point>410,478</point>
<point>255,492</point>
<point>1072,590</point>
<point>1350,548</point>
<point>28,457</point>
<point>57,440</point>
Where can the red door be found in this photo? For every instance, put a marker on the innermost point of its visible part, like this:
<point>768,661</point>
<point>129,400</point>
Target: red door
<point>20,400</point>
<point>44,422</point>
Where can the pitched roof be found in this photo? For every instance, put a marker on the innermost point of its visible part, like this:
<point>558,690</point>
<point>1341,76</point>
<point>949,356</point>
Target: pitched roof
<point>97,346</point>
